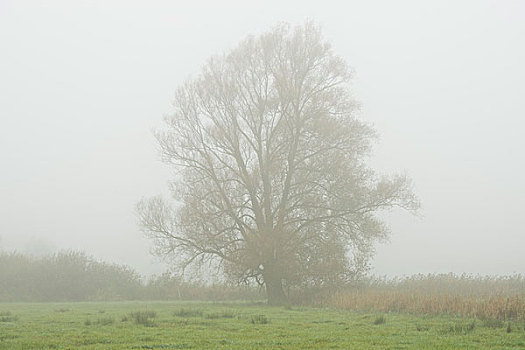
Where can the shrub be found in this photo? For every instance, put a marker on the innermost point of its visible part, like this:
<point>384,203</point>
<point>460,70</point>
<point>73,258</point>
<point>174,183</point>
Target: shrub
<point>65,276</point>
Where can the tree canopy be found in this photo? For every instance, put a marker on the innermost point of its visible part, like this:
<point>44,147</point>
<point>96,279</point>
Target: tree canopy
<point>272,182</point>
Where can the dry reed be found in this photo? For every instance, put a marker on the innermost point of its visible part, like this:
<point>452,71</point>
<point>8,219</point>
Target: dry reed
<point>501,298</point>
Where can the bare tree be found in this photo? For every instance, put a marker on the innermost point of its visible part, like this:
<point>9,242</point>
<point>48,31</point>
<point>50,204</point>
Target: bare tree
<point>272,182</point>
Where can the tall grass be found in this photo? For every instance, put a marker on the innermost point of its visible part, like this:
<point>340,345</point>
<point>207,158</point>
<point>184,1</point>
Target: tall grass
<point>486,298</point>
<point>144,317</point>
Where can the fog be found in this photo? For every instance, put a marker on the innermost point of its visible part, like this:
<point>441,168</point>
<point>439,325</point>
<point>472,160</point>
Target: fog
<point>83,83</point>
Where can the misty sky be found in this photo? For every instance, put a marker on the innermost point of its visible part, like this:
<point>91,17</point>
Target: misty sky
<point>83,83</point>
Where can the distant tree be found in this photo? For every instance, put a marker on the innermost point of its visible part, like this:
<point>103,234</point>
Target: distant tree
<point>272,182</point>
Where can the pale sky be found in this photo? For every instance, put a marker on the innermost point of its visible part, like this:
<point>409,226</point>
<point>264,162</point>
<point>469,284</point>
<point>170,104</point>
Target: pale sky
<point>83,83</point>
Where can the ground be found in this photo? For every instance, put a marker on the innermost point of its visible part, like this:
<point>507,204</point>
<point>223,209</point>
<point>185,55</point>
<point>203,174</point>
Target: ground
<point>199,325</point>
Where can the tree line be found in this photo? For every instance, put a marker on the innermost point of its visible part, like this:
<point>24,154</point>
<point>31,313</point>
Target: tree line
<point>76,276</point>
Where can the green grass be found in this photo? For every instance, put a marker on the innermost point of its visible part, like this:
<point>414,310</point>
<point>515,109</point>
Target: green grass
<point>191,325</point>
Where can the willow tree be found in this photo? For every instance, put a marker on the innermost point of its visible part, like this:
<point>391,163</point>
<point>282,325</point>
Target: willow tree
<point>271,178</point>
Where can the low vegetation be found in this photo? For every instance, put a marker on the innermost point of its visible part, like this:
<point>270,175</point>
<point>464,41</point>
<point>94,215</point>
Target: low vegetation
<point>259,319</point>
<point>380,320</point>
<point>100,321</point>
<point>187,325</point>
<point>187,312</point>
<point>144,318</point>
<point>493,300</point>
<point>7,316</point>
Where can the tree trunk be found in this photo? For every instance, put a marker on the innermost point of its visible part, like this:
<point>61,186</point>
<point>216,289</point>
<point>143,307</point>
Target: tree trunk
<point>274,289</point>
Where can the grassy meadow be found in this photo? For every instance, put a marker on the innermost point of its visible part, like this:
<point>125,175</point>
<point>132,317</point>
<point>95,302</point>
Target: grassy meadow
<point>207,325</point>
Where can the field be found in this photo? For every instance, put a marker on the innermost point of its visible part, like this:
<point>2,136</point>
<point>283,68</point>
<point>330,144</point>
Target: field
<point>200,325</point>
